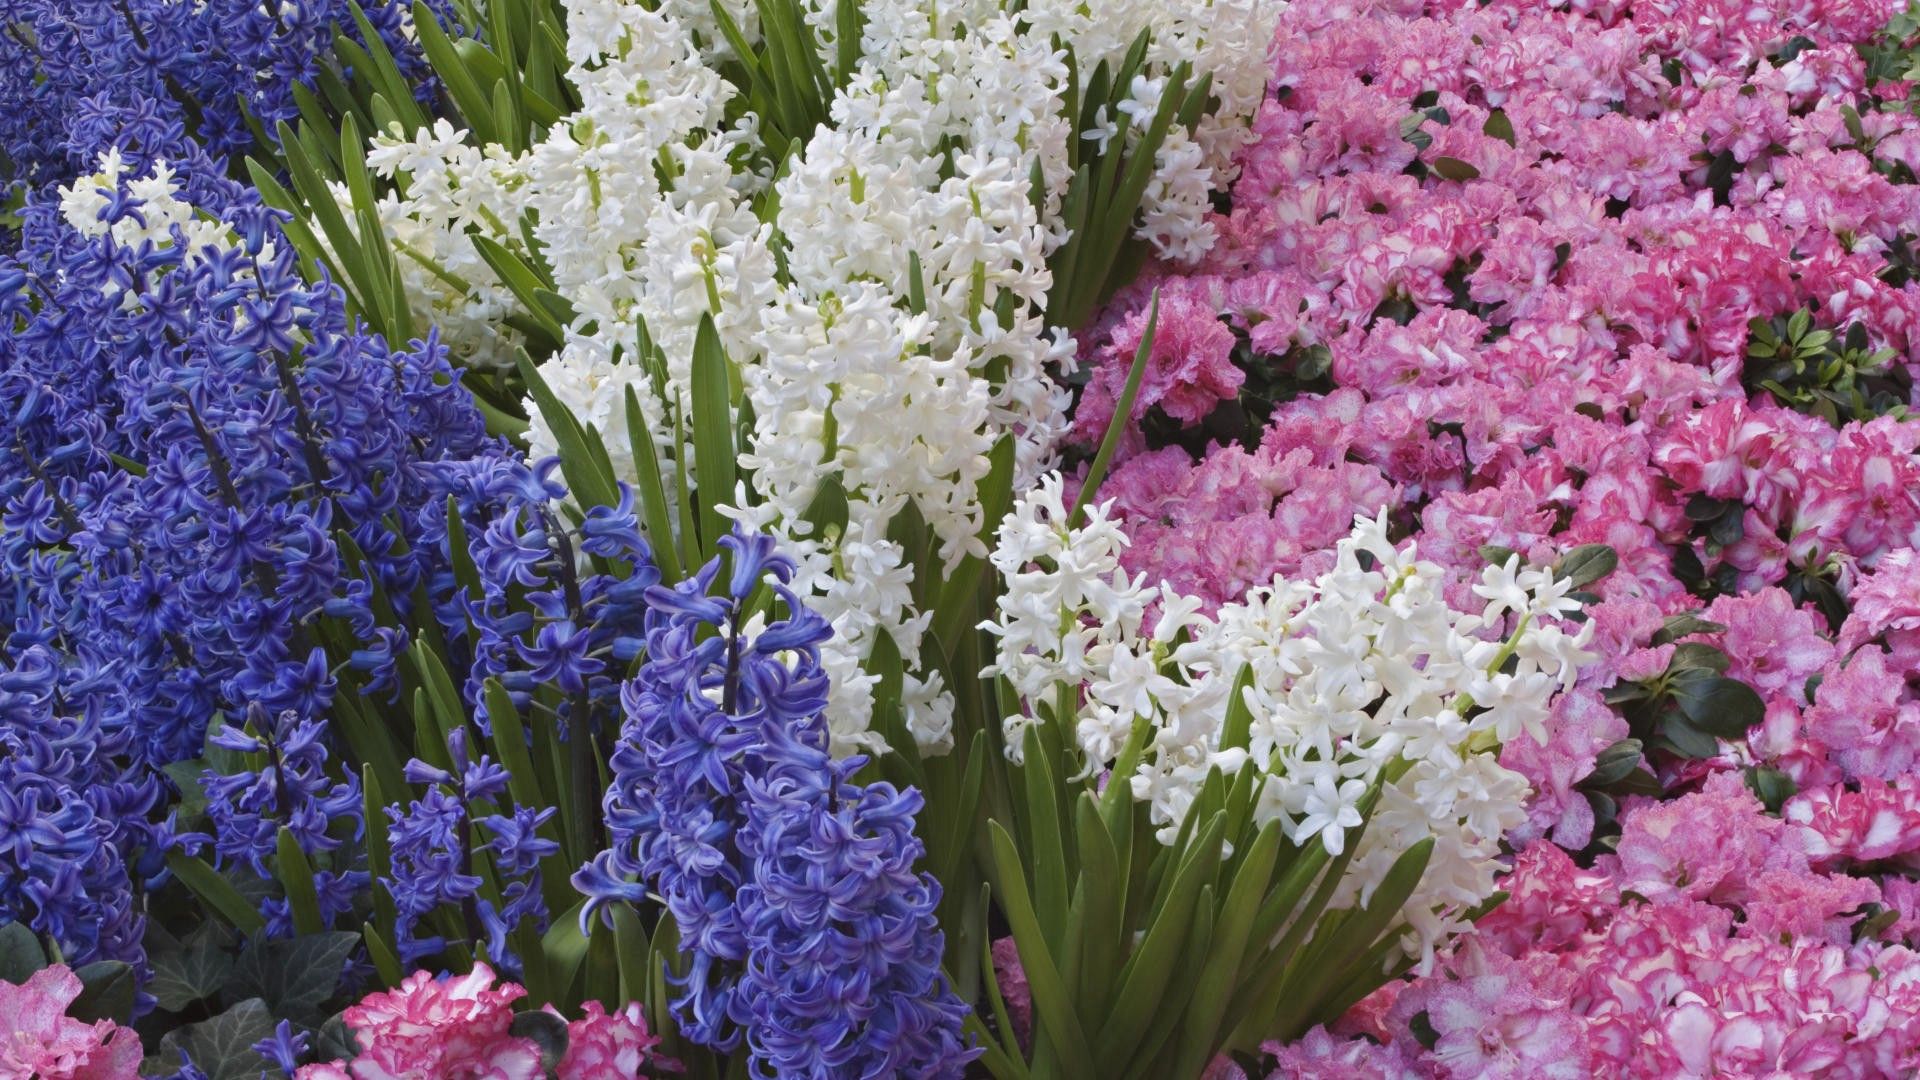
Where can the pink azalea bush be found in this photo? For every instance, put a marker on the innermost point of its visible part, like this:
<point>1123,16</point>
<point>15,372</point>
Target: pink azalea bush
<point>39,1041</point>
<point>457,1028</point>
<point>1516,272</point>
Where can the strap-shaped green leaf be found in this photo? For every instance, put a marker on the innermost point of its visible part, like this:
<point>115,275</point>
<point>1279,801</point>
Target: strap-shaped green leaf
<point>1052,1005</point>
<point>475,108</point>
<point>1122,413</point>
<point>651,488</point>
<point>1200,1034</point>
<point>587,478</point>
<point>216,892</point>
<point>1145,977</point>
<point>714,457</point>
<point>1047,854</point>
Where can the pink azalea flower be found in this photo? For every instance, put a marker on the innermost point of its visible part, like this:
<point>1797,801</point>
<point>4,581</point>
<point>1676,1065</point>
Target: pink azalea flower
<point>450,1028</point>
<point>39,1041</point>
<point>611,1046</point>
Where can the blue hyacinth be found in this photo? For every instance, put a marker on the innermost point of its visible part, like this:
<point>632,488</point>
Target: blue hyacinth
<point>433,841</point>
<point>199,459</point>
<point>80,76</point>
<point>807,932</point>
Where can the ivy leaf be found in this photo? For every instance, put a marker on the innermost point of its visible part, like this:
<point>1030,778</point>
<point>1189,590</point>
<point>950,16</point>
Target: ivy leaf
<point>548,1031</point>
<point>334,1041</point>
<point>194,972</point>
<point>1715,704</point>
<point>222,1047</point>
<point>106,993</point>
<point>1586,564</point>
<point>20,953</point>
<point>294,977</point>
<point>1452,168</point>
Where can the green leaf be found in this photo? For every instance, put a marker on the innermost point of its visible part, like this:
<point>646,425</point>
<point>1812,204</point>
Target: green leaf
<point>1586,564</point>
<point>1236,730</point>
<point>1697,655</point>
<point>578,463</point>
<point>1499,126</point>
<point>1048,856</point>
<point>1122,413</point>
<point>294,977</point>
<point>20,953</point>
<point>296,877</point>
<point>1330,957</point>
<point>1771,786</point>
<point>1495,555</point>
<point>222,1047</point>
<point>1675,627</point>
<point>1686,740</point>
<point>547,1030</point>
<point>1200,1035</point>
<point>522,280</point>
<point>1053,1007</point>
<point>1144,978</point>
<point>106,993</point>
<point>191,973</point>
<point>216,891</point>
<point>454,75</point>
<point>1452,168</point>
<point>714,460</point>
<point>1715,704</point>
<point>1615,763</point>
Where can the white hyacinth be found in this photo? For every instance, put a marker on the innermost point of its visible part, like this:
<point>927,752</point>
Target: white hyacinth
<point>1364,677</point>
<point>892,384</point>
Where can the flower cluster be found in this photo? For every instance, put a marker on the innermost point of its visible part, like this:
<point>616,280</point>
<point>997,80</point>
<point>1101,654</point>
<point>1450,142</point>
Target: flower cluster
<point>807,932</point>
<point>42,1041</point>
<point>196,432</point>
<point>1534,278</point>
<point>880,289</point>
<point>1361,684</point>
<point>291,790</point>
<point>433,847</point>
<point>78,78</point>
<point>459,1027</point>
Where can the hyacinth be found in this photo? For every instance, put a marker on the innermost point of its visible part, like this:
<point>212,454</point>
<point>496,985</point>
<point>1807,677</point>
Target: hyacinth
<point>1362,677</point>
<point>39,1041</point>
<point>807,933</point>
<point>880,292</point>
<point>196,429</point>
<point>294,791</point>
<point>434,839</point>
<point>73,71</point>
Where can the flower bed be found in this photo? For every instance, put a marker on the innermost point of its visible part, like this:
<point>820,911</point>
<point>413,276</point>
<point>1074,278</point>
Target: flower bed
<point>592,538</point>
<point>1535,278</point>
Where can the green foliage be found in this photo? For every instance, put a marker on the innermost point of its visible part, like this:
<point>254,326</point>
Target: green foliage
<point>1837,377</point>
<point>1110,178</point>
<point>221,1046</point>
<point>1686,707</point>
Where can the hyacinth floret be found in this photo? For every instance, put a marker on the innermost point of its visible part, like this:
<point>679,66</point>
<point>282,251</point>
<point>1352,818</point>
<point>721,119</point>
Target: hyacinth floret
<point>808,934</point>
<point>433,844</point>
<point>292,790</point>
